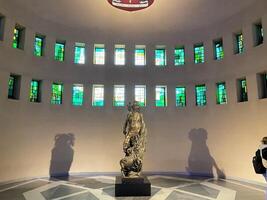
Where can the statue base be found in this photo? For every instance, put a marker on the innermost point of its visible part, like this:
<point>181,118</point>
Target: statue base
<point>127,187</point>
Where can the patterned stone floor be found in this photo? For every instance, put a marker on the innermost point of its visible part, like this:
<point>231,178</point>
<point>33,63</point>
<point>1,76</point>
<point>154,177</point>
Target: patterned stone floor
<point>102,188</point>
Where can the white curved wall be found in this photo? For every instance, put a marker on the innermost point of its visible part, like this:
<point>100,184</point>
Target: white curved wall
<point>234,130</point>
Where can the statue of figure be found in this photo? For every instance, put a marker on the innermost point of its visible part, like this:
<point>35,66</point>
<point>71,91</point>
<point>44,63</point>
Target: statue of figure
<point>134,143</point>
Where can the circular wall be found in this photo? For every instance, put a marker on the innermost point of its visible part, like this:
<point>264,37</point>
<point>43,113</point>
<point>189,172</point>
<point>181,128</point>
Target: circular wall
<point>180,140</point>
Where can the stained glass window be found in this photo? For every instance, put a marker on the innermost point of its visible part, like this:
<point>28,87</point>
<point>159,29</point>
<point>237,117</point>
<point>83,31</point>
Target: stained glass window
<point>160,57</point>
<point>35,91</point>
<point>140,56</point>
<point>262,85</point>
<point>201,98</point>
<point>199,54</point>
<point>17,38</point>
<point>119,55</point>
<point>77,95</point>
<point>11,87</point>
<point>98,95</point>
<point>179,56</point>
<point>180,97</point>
<point>2,25</point>
<point>240,43</point>
<point>79,54</point>
<point>99,56</point>
<point>57,93</point>
<point>221,94</point>
<point>60,51</point>
<point>38,46</point>
<point>243,91</point>
<point>14,86</point>
<point>161,96</point>
<point>119,95</point>
<point>218,50</point>
<point>259,35</point>
<point>140,95</point>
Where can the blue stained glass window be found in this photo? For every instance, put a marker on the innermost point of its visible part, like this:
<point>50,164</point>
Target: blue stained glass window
<point>180,97</point>
<point>99,58</point>
<point>140,56</point>
<point>179,56</point>
<point>77,95</point>
<point>79,57</point>
<point>221,93</point>
<point>199,54</point>
<point>161,96</point>
<point>140,95</point>
<point>201,99</point>
<point>98,96</point>
<point>219,52</point>
<point>160,57</point>
<point>57,93</point>
<point>119,56</point>
<point>119,95</point>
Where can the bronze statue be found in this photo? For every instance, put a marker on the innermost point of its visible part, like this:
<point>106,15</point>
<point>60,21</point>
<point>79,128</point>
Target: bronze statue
<point>134,143</point>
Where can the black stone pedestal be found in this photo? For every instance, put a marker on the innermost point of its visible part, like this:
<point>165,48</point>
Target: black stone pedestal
<point>126,187</point>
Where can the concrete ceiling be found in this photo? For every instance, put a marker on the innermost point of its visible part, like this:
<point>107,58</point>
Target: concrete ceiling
<point>171,15</point>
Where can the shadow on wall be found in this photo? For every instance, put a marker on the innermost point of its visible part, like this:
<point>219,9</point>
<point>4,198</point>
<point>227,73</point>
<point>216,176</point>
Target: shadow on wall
<point>62,156</point>
<point>200,162</point>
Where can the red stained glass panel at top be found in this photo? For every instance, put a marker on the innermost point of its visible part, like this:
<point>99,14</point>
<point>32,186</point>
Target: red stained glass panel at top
<point>131,5</point>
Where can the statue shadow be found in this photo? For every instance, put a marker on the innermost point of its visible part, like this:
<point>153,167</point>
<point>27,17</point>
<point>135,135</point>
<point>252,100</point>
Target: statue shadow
<point>62,156</point>
<point>200,161</point>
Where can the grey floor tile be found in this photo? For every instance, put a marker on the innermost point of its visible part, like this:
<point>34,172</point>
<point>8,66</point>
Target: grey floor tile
<point>60,191</point>
<point>167,183</point>
<point>243,193</point>
<point>201,190</point>
<point>11,184</point>
<point>85,196</point>
<point>92,183</point>
<point>261,187</point>
<point>17,193</point>
<point>178,195</point>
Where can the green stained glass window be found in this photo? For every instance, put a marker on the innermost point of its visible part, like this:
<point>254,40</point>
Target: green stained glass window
<point>179,56</point>
<point>160,57</point>
<point>140,56</point>
<point>99,57</point>
<point>161,96</point>
<point>38,46</point>
<point>16,38</point>
<point>35,91</point>
<point>60,51</point>
<point>11,87</point>
<point>199,54</point>
<point>243,96</point>
<point>57,93</point>
<point>201,98</point>
<point>140,95</point>
<point>119,95</point>
<point>240,43</point>
<point>79,54</point>
<point>14,86</point>
<point>219,52</point>
<point>221,94</point>
<point>259,35</point>
<point>119,55</point>
<point>180,97</point>
<point>77,95</point>
<point>98,95</point>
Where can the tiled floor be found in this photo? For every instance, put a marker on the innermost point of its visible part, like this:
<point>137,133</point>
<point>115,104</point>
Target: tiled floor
<point>102,188</point>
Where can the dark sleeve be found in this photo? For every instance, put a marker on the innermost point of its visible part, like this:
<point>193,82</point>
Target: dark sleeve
<point>264,153</point>
<point>258,153</point>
